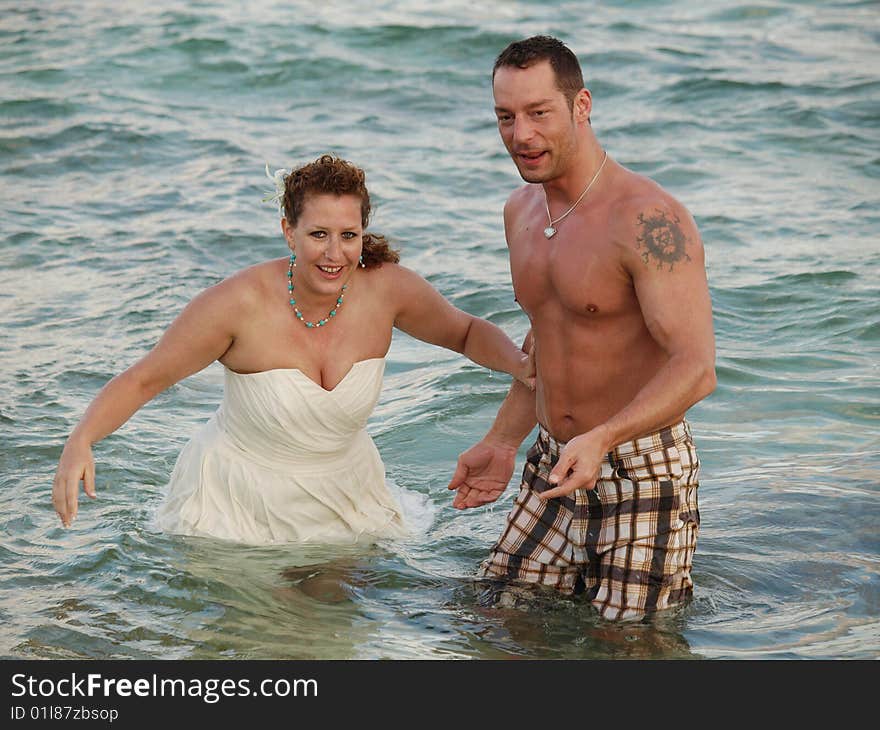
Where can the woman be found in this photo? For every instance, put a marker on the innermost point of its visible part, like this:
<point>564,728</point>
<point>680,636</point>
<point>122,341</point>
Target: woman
<point>303,341</point>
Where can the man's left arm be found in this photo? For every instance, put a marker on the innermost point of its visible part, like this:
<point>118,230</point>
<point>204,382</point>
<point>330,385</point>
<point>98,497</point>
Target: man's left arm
<point>666,261</point>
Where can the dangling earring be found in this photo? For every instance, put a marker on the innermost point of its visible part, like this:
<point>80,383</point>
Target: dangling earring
<point>361,262</point>
<point>293,259</point>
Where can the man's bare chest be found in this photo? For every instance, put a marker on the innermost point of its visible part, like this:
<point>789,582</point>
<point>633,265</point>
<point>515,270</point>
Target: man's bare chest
<point>582,276</point>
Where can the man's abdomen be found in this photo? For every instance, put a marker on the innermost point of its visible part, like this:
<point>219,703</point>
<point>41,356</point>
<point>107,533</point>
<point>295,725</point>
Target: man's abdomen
<point>587,377</point>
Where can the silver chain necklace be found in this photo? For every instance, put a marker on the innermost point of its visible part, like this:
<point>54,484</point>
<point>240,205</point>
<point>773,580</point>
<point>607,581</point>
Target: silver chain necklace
<point>550,230</point>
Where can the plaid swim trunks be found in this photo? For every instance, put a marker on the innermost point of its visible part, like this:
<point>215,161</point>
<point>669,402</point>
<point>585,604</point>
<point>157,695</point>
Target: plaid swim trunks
<point>627,544</point>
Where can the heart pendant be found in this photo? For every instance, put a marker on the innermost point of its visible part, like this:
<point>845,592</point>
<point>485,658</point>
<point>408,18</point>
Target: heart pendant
<point>549,232</point>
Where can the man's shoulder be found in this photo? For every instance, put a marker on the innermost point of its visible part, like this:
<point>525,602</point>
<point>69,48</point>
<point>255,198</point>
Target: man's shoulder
<point>638,198</point>
<point>634,193</point>
<point>523,195</point>
<point>649,225</point>
<point>519,204</point>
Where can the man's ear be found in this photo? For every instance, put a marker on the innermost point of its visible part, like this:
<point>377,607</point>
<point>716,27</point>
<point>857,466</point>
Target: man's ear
<point>583,106</point>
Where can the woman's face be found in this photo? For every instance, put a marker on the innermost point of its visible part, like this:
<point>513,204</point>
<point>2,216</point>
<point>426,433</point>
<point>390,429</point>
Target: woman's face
<point>327,240</point>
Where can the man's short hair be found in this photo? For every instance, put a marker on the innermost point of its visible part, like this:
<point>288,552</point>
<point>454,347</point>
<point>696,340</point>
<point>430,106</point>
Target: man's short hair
<point>525,53</point>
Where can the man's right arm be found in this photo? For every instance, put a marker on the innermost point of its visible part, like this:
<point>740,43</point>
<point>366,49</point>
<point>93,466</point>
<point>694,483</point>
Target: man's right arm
<point>516,416</point>
<point>484,470</point>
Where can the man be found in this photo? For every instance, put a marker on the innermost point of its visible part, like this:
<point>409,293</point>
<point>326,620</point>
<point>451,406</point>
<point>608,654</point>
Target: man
<point>609,269</point>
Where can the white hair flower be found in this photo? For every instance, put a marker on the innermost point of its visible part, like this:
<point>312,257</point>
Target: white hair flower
<point>279,179</point>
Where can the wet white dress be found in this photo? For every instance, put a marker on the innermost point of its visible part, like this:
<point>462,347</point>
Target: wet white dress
<point>284,460</point>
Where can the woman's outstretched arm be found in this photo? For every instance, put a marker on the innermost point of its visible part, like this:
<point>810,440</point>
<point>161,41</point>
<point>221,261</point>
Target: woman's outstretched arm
<point>202,332</point>
<point>425,314</point>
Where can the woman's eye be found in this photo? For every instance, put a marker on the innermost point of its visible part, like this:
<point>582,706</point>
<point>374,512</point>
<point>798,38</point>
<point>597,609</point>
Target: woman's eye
<point>349,235</point>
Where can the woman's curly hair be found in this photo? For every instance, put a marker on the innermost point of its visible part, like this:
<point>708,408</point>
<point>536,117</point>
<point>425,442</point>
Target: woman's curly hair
<point>335,176</point>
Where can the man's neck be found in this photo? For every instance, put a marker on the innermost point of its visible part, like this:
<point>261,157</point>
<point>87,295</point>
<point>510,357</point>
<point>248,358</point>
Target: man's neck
<point>566,188</point>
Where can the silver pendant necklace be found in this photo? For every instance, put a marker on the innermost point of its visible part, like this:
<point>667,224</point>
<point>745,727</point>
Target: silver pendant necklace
<point>550,230</point>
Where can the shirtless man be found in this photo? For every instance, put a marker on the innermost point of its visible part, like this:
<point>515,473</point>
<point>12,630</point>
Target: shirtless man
<point>609,269</point>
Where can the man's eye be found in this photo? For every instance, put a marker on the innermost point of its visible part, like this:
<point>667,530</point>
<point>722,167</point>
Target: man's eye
<point>318,234</point>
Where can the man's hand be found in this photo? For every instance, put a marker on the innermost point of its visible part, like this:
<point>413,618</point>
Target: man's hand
<point>482,474</point>
<point>579,465</point>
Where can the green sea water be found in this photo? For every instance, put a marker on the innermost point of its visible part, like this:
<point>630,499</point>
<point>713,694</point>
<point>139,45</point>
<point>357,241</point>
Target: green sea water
<point>133,138</point>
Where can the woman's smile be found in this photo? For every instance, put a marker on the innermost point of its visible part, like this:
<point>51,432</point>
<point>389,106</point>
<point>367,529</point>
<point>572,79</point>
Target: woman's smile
<point>330,273</point>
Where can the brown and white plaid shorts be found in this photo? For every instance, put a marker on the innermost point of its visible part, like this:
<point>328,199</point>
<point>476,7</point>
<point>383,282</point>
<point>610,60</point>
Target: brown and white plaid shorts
<point>627,544</point>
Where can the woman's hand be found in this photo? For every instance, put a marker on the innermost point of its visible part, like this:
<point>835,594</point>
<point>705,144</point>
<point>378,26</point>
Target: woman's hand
<point>526,371</point>
<point>76,465</point>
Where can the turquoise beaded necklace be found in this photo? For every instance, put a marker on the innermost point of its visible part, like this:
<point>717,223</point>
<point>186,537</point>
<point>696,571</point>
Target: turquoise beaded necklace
<point>299,315</point>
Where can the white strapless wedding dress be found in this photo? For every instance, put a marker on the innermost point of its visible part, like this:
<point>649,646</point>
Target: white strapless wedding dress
<point>284,460</point>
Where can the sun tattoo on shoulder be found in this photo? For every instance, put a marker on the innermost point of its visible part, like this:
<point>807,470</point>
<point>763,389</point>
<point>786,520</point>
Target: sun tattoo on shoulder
<point>662,240</point>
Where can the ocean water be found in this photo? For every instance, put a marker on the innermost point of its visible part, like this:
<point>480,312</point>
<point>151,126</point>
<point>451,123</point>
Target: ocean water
<point>133,138</point>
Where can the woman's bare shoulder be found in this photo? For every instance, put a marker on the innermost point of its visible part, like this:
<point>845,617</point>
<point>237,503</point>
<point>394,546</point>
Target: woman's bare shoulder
<point>384,279</point>
<point>395,274</point>
<point>251,286</point>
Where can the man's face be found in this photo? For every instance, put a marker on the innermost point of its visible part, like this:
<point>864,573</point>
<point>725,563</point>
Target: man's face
<point>534,120</point>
